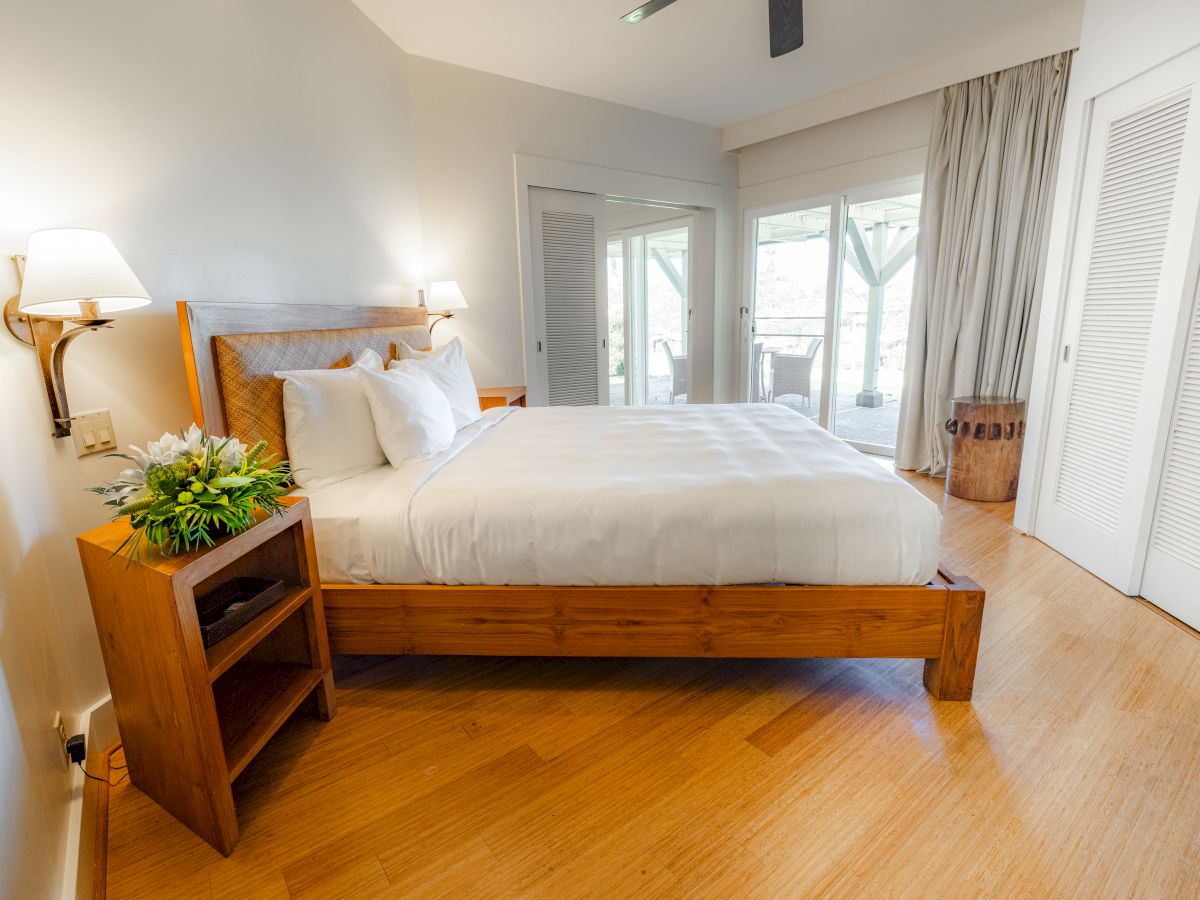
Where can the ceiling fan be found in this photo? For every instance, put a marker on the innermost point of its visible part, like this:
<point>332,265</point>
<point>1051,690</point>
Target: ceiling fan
<point>786,18</point>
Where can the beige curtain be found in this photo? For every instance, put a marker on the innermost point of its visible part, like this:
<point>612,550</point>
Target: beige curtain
<point>981,251</point>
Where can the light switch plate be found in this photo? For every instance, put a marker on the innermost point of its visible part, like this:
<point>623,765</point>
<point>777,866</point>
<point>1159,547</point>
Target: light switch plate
<point>89,429</point>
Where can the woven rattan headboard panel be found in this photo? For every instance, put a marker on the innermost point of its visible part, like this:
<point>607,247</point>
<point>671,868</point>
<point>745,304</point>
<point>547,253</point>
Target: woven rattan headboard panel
<point>232,350</point>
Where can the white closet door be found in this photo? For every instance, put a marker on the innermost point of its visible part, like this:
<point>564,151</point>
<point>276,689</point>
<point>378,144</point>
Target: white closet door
<point>570,299</point>
<point>1138,205</point>
<point>1172,575</point>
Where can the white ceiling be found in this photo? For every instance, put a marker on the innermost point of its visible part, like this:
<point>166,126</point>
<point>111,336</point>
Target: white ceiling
<point>704,60</point>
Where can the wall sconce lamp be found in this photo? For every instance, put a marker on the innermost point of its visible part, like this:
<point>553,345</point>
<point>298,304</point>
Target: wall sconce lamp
<point>446,297</point>
<point>71,275</point>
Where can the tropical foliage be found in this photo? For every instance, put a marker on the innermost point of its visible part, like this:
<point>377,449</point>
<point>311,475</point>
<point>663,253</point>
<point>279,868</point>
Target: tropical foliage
<point>184,491</point>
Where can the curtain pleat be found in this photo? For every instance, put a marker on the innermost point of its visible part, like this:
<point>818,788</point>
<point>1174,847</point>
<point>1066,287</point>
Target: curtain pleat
<point>981,250</point>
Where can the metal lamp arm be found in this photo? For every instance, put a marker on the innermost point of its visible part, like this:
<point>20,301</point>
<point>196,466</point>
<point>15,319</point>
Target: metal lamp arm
<point>56,387</point>
<point>49,340</point>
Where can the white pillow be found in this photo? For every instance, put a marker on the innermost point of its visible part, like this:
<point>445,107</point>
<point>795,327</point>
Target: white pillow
<point>412,416</point>
<point>447,367</point>
<point>403,351</point>
<point>330,431</point>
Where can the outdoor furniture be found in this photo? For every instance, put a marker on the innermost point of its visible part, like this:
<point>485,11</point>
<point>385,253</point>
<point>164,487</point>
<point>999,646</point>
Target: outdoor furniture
<point>791,373</point>
<point>677,366</point>
<point>756,373</point>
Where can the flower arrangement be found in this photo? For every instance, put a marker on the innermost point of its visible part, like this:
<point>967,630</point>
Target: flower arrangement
<point>186,490</point>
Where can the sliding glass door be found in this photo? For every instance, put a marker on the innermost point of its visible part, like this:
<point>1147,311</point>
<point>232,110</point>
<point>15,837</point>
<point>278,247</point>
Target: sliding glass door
<point>876,296</point>
<point>791,307</point>
<point>830,289</point>
<point>648,279</point>
<point>615,271</point>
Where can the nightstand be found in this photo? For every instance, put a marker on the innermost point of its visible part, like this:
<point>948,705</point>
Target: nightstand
<point>501,396</point>
<point>191,719</point>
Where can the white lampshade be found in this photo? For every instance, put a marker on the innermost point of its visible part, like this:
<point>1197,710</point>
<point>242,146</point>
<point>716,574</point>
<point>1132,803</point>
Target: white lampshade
<point>445,296</point>
<point>65,266</point>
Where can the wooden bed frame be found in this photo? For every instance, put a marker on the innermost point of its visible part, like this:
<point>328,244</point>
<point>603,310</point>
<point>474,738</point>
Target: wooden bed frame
<point>938,622</point>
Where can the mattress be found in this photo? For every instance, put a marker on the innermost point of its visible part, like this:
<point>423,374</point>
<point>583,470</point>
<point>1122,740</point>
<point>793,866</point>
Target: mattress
<point>712,494</point>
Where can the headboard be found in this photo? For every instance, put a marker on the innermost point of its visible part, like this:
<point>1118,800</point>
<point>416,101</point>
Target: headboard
<point>232,350</point>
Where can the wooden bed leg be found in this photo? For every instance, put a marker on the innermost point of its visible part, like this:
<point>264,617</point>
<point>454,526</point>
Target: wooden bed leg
<point>952,675</point>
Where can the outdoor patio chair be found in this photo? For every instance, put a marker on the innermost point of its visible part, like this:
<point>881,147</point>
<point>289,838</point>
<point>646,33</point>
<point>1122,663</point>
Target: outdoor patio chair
<point>792,373</point>
<point>756,373</point>
<point>677,366</point>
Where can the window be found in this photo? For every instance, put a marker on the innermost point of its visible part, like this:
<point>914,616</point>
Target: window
<point>648,278</point>
<point>830,293</point>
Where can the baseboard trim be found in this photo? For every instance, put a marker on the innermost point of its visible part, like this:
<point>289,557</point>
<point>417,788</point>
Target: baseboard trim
<point>93,832</point>
<point>86,859</point>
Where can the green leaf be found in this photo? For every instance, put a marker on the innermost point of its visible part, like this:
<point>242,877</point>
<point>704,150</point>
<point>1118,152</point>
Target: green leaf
<point>230,481</point>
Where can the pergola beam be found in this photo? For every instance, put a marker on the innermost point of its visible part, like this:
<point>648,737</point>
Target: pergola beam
<point>899,257</point>
<point>676,279</point>
<point>867,267</point>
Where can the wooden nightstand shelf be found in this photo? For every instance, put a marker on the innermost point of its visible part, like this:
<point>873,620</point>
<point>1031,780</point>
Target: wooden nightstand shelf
<point>501,396</point>
<point>192,719</point>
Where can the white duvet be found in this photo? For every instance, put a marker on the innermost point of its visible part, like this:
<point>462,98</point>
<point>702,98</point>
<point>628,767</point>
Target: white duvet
<point>713,494</point>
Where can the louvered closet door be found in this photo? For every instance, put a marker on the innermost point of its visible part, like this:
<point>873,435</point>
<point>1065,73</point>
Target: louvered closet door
<point>570,303</point>
<point>1172,575</point>
<point>1119,360</point>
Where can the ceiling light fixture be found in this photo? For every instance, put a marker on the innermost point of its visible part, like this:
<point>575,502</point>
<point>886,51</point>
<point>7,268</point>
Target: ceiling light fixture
<point>786,20</point>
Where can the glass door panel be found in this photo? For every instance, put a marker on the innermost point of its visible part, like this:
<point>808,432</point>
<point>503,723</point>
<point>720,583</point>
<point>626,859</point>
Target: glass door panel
<point>873,310</point>
<point>648,276</point>
<point>666,259</point>
<point>616,323</point>
<point>790,299</point>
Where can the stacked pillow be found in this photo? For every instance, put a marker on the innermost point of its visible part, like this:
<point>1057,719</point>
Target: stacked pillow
<point>447,368</point>
<point>344,421</point>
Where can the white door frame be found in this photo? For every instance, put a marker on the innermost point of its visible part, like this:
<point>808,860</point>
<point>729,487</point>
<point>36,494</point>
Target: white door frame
<point>707,201</point>
<point>625,236</point>
<point>835,202</point>
<point>895,188</point>
<point>838,202</point>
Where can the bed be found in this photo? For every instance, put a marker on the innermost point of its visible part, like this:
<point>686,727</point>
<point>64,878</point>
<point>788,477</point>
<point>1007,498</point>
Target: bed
<point>738,530</point>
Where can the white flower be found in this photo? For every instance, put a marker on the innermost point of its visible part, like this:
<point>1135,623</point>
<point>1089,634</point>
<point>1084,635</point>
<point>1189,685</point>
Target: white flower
<point>232,453</point>
<point>162,452</point>
<point>169,448</point>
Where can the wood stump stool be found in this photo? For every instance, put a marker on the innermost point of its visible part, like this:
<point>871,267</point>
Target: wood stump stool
<point>986,436</point>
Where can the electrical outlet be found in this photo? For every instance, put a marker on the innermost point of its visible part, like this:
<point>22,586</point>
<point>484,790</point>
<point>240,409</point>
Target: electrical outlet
<point>93,432</point>
<point>60,734</point>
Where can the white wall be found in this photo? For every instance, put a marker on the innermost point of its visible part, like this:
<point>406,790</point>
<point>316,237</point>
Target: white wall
<point>468,126</point>
<point>35,676</point>
<point>273,151</point>
<point>1119,42</point>
<point>868,148</point>
<point>253,151</point>
<point>1023,40</point>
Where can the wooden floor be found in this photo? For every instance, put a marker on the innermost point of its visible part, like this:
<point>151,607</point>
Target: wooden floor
<point>1075,771</point>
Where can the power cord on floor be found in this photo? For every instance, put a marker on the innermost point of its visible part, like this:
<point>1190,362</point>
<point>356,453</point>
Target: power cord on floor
<point>103,780</point>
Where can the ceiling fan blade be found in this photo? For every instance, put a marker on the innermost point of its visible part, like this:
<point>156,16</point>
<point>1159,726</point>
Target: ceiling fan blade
<point>645,11</point>
<point>787,26</point>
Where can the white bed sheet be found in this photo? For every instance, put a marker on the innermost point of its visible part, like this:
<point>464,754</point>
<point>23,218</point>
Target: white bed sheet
<point>713,494</point>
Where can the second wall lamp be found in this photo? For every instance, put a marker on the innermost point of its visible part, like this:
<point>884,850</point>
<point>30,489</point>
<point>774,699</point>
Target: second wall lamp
<point>445,299</point>
<point>70,276</point>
